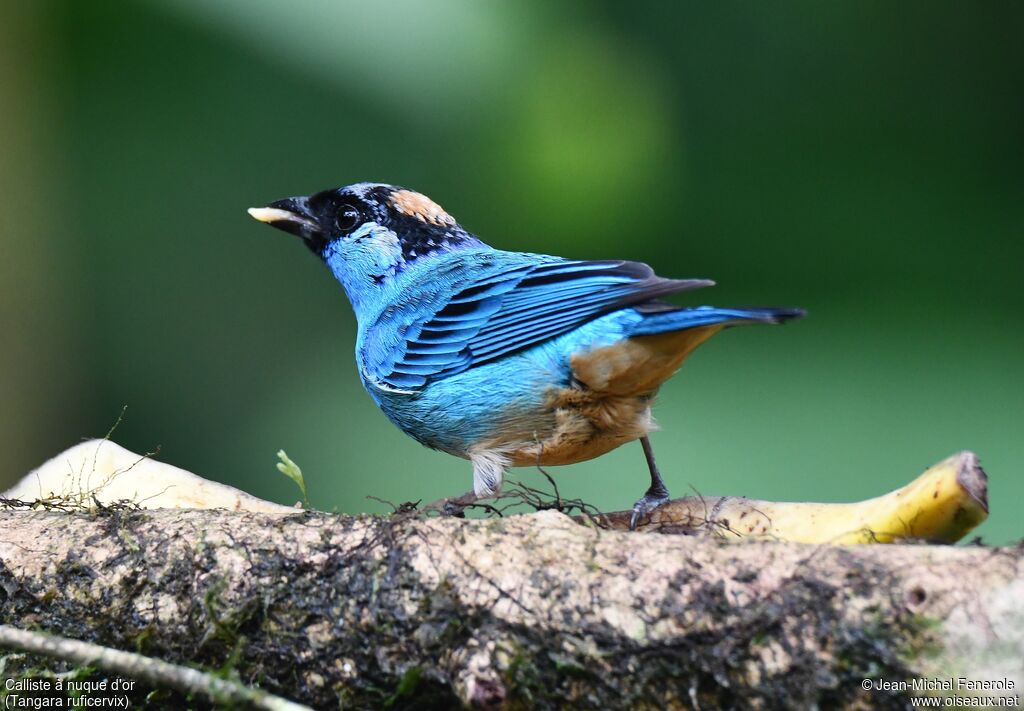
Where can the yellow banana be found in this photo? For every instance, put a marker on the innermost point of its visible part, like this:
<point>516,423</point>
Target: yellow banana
<point>942,504</point>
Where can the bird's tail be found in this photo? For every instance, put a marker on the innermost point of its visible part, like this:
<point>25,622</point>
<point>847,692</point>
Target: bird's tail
<point>663,318</point>
<point>658,344</point>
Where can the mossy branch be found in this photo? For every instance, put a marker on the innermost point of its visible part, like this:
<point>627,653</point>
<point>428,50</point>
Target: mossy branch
<point>531,611</point>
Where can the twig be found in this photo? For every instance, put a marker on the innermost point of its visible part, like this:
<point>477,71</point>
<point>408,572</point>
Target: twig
<point>154,671</point>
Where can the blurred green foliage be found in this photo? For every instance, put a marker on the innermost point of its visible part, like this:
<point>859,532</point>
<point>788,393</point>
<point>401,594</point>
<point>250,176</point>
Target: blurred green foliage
<point>863,160</point>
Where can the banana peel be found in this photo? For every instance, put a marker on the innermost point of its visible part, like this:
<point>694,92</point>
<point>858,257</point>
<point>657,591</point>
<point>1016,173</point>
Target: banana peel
<point>942,505</point>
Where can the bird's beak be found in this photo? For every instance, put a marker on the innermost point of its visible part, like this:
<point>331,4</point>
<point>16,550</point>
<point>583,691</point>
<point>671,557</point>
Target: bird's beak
<point>291,215</point>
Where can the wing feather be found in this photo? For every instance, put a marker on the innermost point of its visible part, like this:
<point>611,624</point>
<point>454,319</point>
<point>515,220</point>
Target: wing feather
<point>499,310</point>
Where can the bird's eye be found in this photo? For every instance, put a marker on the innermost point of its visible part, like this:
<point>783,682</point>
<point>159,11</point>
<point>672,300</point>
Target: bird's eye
<point>347,218</point>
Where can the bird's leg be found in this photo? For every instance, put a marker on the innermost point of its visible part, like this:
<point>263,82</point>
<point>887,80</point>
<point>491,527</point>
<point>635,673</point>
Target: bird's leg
<point>656,495</point>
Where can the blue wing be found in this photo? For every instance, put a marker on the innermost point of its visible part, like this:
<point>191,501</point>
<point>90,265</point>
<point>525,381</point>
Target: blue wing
<point>496,309</point>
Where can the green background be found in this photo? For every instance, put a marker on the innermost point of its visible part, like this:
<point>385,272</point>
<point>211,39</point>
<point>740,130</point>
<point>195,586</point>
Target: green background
<point>862,160</point>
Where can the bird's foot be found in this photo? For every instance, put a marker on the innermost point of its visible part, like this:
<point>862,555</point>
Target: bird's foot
<point>455,506</point>
<point>650,501</point>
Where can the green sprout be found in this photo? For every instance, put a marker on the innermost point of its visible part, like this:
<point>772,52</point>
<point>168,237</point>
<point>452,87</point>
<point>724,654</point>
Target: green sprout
<point>291,470</point>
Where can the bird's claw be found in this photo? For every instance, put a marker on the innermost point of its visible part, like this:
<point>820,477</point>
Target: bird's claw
<point>453,508</point>
<point>645,506</point>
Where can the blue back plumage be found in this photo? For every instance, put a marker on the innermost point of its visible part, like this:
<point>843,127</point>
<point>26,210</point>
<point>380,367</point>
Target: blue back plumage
<point>469,307</point>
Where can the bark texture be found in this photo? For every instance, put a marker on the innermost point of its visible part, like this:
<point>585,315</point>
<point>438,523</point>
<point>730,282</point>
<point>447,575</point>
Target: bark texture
<point>531,611</point>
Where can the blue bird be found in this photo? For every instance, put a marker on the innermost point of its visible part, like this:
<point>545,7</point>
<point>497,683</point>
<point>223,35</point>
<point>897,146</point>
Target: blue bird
<point>502,358</point>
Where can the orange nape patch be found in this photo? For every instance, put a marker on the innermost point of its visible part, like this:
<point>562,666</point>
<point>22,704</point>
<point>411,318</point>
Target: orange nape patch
<point>421,207</point>
<point>637,366</point>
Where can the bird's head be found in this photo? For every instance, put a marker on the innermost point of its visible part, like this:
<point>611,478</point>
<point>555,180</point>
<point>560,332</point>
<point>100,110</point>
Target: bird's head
<point>368,233</point>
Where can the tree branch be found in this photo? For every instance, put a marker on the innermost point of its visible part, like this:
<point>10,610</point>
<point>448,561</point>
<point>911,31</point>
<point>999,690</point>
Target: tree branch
<point>136,666</point>
<point>533,610</point>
